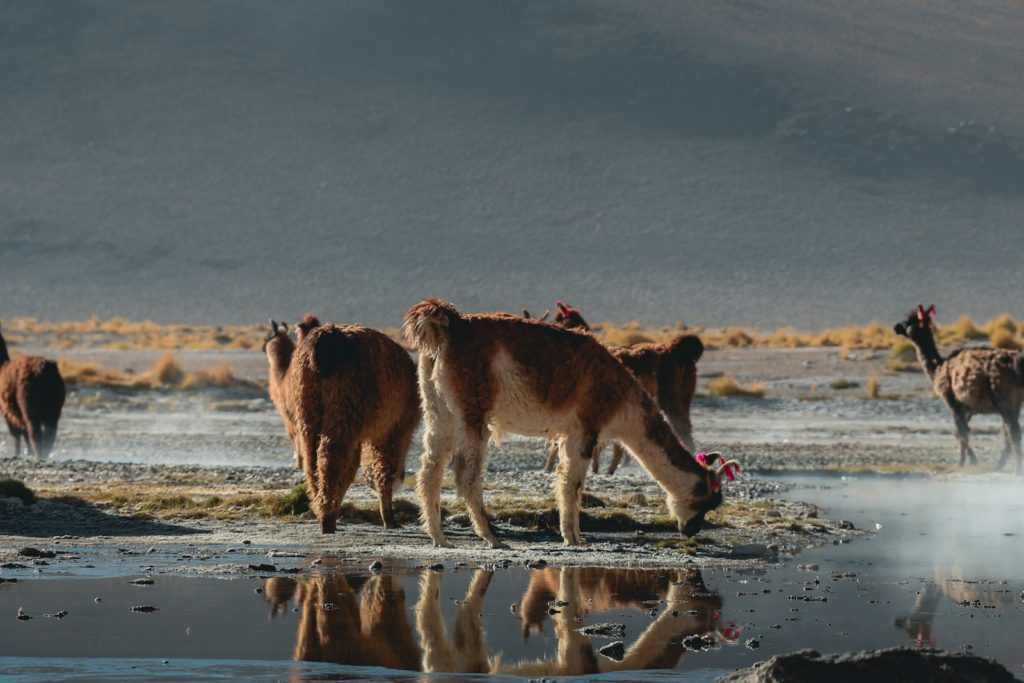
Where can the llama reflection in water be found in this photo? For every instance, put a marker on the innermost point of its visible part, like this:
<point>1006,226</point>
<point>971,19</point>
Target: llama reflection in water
<point>364,621</point>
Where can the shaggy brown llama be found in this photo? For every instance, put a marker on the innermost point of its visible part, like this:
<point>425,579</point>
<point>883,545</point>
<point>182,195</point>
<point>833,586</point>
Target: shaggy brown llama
<point>971,381</point>
<point>279,348</point>
<point>32,396</point>
<point>352,393</point>
<point>498,373</point>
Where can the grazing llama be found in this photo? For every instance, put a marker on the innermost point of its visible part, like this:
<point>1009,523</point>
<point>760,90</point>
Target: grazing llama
<point>971,381</point>
<point>498,373</point>
<point>31,398</point>
<point>349,397</point>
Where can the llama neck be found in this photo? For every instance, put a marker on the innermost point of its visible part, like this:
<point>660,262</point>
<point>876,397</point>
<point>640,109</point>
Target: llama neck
<point>651,440</point>
<point>928,354</point>
<point>4,356</point>
<point>280,354</point>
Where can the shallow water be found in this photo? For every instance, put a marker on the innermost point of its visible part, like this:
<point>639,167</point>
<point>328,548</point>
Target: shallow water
<point>940,544</point>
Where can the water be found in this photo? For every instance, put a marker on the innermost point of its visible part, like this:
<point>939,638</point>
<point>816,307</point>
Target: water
<point>941,569</point>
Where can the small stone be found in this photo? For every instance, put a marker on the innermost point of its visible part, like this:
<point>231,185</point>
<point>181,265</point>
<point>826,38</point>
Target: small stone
<point>436,567</point>
<point>145,609</point>
<point>536,564</point>
<point>97,599</point>
<point>753,644</point>
<point>141,582</point>
<point>247,542</point>
<point>513,608</point>
<point>606,630</point>
<point>262,567</point>
<point>36,552</point>
<point>376,566</point>
<point>614,651</point>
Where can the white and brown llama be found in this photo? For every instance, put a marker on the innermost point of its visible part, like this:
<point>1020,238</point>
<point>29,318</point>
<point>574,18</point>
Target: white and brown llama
<point>348,396</point>
<point>486,375</point>
<point>971,381</point>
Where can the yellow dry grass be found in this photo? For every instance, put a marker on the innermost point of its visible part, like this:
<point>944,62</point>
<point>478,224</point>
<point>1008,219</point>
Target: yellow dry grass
<point>873,389</point>
<point>122,334</point>
<point>728,386</point>
<point>166,372</point>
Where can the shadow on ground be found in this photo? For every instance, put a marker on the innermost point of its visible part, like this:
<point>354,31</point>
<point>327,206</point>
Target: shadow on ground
<point>56,517</point>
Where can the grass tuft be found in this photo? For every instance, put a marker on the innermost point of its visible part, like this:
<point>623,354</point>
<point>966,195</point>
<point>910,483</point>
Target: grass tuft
<point>841,384</point>
<point>728,386</point>
<point>873,389</point>
<point>295,502</point>
<point>1001,338</point>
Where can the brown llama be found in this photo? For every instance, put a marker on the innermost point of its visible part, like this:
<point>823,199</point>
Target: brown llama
<point>350,398</point>
<point>279,348</point>
<point>668,372</point>
<point>499,373</point>
<point>971,381</point>
<point>32,396</point>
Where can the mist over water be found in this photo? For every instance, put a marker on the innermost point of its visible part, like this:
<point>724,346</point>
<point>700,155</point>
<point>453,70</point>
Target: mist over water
<point>226,162</point>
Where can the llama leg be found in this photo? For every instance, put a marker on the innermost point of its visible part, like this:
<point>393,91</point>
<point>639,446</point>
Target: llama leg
<point>1011,429</point>
<point>595,457</point>
<point>34,437</point>
<point>387,467</point>
<point>618,453</point>
<point>962,434</point>
<point>49,437</point>
<point>469,461</point>
<point>552,457</point>
<point>572,471</point>
<point>16,436</point>
<point>437,453</point>
<point>337,463</point>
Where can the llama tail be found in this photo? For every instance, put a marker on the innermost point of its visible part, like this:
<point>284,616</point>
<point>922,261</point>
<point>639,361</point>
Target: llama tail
<point>687,348</point>
<point>332,349</point>
<point>427,326</point>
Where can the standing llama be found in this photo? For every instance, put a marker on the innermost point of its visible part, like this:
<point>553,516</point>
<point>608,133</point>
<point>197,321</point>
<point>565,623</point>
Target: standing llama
<point>971,381</point>
<point>31,398</point>
<point>349,397</point>
<point>500,373</point>
<point>279,349</point>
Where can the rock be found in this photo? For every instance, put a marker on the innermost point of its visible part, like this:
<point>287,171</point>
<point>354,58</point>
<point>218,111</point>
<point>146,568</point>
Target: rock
<point>847,525</point>
<point>754,550</point>
<point>614,651</point>
<point>97,600</point>
<point>773,514</point>
<point>461,521</point>
<point>895,664</point>
<point>141,582</point>
<point>753,644</point>
<point>36,552</point>
<point>536,564</point>
<point>436,567</point>
<point>376,566</point>
<point>145,609</point>
<point>59,615</point>
<point>606,630</point>
<point>698,642</point>
<point>263,567</point>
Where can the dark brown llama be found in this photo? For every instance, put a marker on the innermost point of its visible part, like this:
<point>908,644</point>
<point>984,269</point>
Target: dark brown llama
<point>490,374</point>
<point>667,371</point>
<point>971,381</point>
<point>31,399</point>
<point>351,393</point>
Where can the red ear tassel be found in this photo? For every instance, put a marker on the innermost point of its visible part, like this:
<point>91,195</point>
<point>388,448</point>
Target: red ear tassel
<point>931,311</point>
<point>920,313</point>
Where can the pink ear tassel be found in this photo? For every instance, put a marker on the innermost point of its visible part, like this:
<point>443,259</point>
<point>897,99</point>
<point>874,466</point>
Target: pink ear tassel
<point>931,311</point>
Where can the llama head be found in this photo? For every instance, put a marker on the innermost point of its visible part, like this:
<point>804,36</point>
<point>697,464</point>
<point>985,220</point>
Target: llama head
<point>569,317</point>
<point>917,326</point>
<point>706,494</point>
<point>275,335</point>
<point>309,323</point>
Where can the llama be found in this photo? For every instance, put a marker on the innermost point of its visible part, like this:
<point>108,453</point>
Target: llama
<point>351,392</point>
<point>500,373</point>
<point>279,349</point>
<point>971,381</point>
<point>668,372</point>
<point>32,396</point>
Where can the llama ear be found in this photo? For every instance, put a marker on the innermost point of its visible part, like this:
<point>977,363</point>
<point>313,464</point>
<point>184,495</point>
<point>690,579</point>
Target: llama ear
<point>284,328</point>
<point>899,329</point>
<point>273,325</point>
<point>921,315</point>
<point>710,458</point>
<point>931,311</point>
<point>545,316</point>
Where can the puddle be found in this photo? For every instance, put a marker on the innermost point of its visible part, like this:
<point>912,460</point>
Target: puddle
<point>942,570</point>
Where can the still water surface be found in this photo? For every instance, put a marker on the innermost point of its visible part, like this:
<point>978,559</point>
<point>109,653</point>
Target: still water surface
<point>940,566</point>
